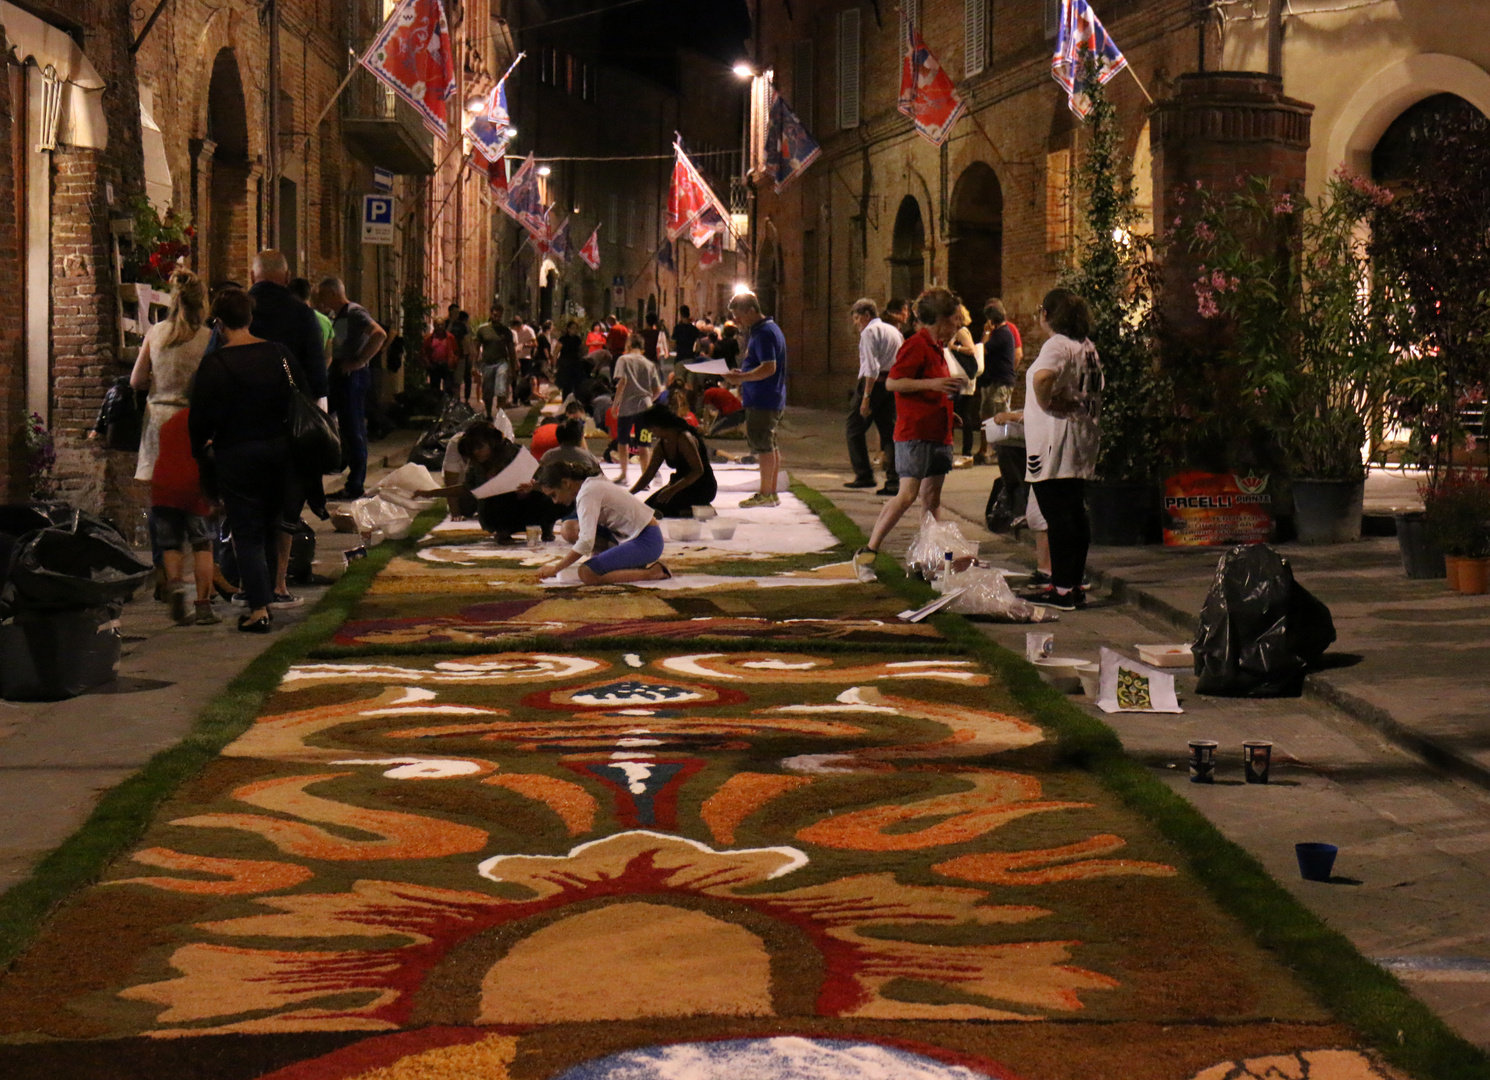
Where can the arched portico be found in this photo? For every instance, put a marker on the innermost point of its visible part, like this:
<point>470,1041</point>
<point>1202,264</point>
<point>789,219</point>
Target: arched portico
<point>908,251</point>
<point>975,254</point>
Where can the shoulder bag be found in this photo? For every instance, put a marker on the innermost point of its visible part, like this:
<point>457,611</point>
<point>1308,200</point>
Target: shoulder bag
<point>314,442</point>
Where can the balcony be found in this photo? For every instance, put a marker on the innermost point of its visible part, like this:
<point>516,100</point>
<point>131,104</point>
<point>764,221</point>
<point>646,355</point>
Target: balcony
<point>382,129</point>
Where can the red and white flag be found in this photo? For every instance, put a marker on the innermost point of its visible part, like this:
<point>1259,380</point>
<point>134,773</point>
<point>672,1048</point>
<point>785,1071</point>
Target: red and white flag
<point>412,55</point>
<point>927,94</point>
<point>591,251</point>
<point>496,173</point>
<point>689,196</point>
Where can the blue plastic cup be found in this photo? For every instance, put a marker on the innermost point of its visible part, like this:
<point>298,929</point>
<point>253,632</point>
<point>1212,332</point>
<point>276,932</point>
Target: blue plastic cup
<point>1316,861</point>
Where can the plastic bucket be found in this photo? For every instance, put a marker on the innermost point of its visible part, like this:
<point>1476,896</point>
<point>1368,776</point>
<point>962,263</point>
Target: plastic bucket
<point>1316,861</point>
<point>722,528</point>
<point>683,529</point>
<point>1420,559</point>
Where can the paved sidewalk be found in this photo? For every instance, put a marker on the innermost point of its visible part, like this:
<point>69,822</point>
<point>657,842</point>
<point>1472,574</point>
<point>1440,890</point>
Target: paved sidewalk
<point>1414,865</point>
<point>58,758</point>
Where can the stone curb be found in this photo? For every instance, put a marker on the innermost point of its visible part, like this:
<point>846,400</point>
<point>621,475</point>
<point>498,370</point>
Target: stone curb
<point>1431,750</point>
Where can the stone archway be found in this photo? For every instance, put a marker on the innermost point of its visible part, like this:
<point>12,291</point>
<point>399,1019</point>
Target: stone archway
<point>908,251</point>
<point>1394,154</point>
<point>229,225</point>
<point>975,254</point>
<point>1371,110</point>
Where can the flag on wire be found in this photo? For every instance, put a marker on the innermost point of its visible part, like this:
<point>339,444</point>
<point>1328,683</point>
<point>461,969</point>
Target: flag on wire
<point>689,196</point>
<point>712,253</point>
<point>1082,32</point>
<point>496,174</point>
<point>412,55</point>
<point>559,242</point>
<point>789,148</point>
<point>591,251</point>
<point>491,129</point>
<point>927,95</point>
<point>707,224</point>
<point>664,256</point>
<point>524,202</point>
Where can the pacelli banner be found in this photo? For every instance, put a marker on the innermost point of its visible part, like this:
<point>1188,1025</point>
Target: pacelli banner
<point>1204,509</point>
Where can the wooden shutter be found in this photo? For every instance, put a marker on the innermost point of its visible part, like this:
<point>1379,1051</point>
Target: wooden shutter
<point>802,83</point>
<point>848,68</point>
<point>975,36</point>
<point>1057,201</point>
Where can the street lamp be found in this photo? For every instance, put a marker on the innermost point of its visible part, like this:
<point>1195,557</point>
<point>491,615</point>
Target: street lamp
<point>743,70</point>
<point>742,287</point>
<point>544,170</point>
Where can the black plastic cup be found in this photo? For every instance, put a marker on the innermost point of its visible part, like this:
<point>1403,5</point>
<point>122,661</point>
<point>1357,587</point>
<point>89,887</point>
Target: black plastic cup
<point>1257,756</point>
<point>1316,861</point>
<point>1203,761</point>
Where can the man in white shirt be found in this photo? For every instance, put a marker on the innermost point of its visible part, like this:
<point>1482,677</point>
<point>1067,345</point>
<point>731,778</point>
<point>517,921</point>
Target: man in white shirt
<point>873,405</point>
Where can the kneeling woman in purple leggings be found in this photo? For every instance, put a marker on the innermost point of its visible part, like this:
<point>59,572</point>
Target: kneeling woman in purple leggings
<point>606,512</point>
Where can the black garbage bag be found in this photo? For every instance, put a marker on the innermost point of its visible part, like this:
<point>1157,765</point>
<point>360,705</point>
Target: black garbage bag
<point>429,451</point>
<point>78,560</point>
<point>1259,629</point>
<point>52,655</point>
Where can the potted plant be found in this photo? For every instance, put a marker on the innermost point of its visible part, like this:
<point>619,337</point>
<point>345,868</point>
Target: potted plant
<point>1289,283</point>
<point>157,247</point>
<point>41,459</point>
<point>1116,273</point>
<point>1456,508</point>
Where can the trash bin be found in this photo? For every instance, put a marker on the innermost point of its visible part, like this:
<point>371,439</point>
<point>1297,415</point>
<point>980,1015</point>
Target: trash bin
<point>67,576</point>
<point>49,655</point>
<point>1259,629</point>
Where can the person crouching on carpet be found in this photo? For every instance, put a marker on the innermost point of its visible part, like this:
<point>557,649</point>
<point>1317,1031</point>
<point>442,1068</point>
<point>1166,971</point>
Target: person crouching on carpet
<point>677,444</point>
<point>486,452</point>
<point>609,518</point>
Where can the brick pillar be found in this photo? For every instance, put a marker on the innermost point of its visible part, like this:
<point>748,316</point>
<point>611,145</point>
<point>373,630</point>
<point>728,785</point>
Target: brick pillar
<point>1218,127</point>
<point>201,200</point>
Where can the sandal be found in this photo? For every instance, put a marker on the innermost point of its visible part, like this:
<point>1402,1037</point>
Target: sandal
<point>667,575</point>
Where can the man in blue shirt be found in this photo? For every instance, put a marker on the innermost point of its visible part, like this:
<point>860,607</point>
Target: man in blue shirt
<point>761,378</point>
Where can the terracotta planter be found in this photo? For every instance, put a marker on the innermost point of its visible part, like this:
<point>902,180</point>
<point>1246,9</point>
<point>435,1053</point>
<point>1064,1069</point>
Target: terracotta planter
<point>1451,572</point>
<point>1468,577</point>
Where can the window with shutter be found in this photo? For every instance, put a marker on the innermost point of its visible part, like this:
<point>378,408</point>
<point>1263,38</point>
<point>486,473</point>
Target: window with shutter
<point>802,82</point>
<point>1057,201</point>
<point>975,36</point>
<point>848,68</point>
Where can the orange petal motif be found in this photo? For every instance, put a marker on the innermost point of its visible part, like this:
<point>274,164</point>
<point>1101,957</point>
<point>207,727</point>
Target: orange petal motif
<point>994,799</point>
<point>1004,867</point>
<point>402,836</point>
<point>244,875</point>
<point>575,806</point>
<point>739,797</point>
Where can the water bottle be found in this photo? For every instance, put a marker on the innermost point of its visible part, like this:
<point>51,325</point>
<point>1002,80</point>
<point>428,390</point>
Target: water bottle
<point>142,531</point>
<point>949,570</point>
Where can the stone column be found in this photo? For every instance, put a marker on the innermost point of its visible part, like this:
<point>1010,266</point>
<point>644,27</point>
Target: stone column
<point>202,151</point>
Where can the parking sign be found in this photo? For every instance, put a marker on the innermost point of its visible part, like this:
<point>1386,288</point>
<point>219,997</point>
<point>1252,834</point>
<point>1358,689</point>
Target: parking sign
<point>377,219</point>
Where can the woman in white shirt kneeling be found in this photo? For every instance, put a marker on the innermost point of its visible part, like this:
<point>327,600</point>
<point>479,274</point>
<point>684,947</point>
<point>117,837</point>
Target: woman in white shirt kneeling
<point>606,513</point>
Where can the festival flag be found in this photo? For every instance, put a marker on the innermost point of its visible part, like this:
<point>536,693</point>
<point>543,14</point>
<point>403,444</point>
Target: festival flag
<point>491,129</point>
<point>689,196</point>
<point>664,256</point>
<point>789,148</point>
<point>927,95</point>
<point>411,54</point>
<point>707,224</point>
<point>1082,32</point>
<point>712,252</point>
<point>591,251</point>
<point>496,174</point>
<point>559,242</point>
<point>524,202</point>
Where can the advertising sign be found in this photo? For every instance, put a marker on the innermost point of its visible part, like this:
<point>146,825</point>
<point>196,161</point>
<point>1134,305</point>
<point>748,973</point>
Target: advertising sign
<point>1217,509</point>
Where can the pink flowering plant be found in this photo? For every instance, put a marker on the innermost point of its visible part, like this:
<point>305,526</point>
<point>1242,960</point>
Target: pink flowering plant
<point>1299,318</point>
<point>41,458</point>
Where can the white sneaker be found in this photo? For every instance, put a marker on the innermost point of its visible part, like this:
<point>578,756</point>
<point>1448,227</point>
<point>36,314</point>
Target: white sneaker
<point>864,566</point>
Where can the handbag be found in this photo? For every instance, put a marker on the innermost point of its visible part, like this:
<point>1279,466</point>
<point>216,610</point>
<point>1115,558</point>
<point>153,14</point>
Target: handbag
<point>314,442</point>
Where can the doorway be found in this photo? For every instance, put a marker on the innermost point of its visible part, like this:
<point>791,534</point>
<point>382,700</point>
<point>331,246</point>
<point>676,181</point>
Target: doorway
<point>975,258</point>
<point>908,252</point>
<point>229,230</point>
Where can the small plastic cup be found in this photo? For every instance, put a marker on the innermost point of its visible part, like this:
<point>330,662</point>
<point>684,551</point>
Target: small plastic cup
<point>1257,757</point>
<point>1203,761</point>
<point>1316,861</point>
<point>722,528</point>
<point>535,535</point>
<point>1038,645</point>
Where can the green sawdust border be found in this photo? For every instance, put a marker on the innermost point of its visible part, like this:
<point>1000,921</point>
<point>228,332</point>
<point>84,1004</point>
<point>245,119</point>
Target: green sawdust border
<point>124,812</point>
<point>1406,1032</point>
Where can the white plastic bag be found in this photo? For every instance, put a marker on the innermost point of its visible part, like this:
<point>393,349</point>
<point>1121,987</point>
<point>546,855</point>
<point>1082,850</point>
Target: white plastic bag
<point>930,545</point>
<point>988,595</point>
<point>409,479</point>
<point>380,513</point>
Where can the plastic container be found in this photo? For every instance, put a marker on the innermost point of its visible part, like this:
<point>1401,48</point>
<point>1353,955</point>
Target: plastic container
<point>1061,672</point>
<point>1166,656</point>
<point>1091,679</point>
<point>722,528</point>
<point>683,529</point>
<point>1316,861</point>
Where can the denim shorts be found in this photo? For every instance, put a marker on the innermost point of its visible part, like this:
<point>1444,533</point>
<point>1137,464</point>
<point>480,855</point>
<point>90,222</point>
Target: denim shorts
<point>919,458</point>
<point>176,529</point>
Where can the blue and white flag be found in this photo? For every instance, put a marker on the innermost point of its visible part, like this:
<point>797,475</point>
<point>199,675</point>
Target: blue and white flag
<point>789,148</point>
<point>491,129</point>
<point>524,202</point>
<point>1082,32</point>
<point>558,241</point>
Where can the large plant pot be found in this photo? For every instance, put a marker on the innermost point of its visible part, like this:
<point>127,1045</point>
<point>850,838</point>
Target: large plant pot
<point>1420,557</point>
<point>1123,515</point>
<point>1328,511</point>
<point>1469,577</point>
